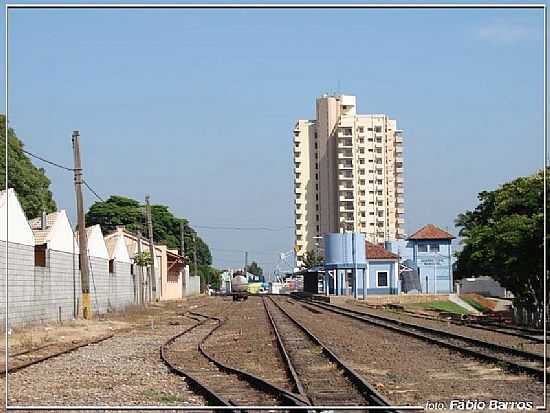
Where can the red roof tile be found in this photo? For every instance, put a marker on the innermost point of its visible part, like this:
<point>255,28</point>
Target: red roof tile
<point>375,251</point>
<point>430,231</point>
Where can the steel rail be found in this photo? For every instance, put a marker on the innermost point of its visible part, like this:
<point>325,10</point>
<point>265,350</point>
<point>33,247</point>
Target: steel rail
<point>210,394</point>
<point>255,381</point>
<point>52,355</point>
<point>371,393</point>
<point>439,336</point>
<point>288,363</point>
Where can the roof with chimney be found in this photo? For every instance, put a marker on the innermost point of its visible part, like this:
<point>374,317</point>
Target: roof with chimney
<point>430,232</point>
<point>42,232</point>
<point>377,251</point>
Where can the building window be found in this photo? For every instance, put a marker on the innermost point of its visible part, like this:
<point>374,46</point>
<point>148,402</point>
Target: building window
<point>379,181</point>
<point>369,129</point>
<point>382,279</point>
<point>371,181</point>
<point>40,255</point>
<point>361,161</point>
<point>423,248</point>
<point>434,247</point>
<point>378,129</point>
<point>317,217</point>
<point>315,146</point>
<point>361,129</point>
<point>316,187</point>
<point>361,140</point>
<point>111,266</point>
<point>370,139</point>
<point>317,177</point>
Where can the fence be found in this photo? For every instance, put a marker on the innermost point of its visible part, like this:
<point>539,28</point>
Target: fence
<point>51,291</point>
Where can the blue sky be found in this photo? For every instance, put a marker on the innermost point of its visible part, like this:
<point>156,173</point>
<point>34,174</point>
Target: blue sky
<point>197,107</point>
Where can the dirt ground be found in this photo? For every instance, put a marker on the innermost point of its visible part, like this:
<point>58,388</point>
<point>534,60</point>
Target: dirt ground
<point>123,370</point>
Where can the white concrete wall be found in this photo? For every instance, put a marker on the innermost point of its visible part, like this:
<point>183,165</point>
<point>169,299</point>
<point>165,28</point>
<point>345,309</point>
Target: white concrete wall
<point>19,230</point>
<point>60,237</point>
<point>37,294</point>
<point>96,243</point>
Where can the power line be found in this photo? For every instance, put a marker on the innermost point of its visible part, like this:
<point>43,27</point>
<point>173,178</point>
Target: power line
<point>92,191</point>
<point>45,160</point>
<point>242,228</point>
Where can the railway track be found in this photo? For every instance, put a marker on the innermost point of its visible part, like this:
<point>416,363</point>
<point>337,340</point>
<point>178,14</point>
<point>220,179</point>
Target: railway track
<point>24,359</point>
<point>319,375</point>
<point>219,384</point>
<point>510,358</point>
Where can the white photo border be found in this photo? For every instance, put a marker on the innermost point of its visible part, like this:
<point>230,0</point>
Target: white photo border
<point>9,6</point>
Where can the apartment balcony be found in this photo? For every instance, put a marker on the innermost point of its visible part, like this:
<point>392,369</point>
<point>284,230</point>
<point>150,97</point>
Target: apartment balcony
<point>300,232</point>
<point>345,178</point>
<point>346,210</point>
<point>398,139</point>
<point>345,145</point>
<point>347,165</point>
<point>298,190</point>
<point>399,159</point>
<point>400,190</point>
<point>345,188</point>
<point>401,221</point>
<point>346,198</point>
<point>347,155</point>
<point>399,170</point>
<point>400,210</point>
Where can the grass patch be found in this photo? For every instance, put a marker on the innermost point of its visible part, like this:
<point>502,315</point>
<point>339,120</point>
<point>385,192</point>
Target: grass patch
<point>476,304</point>
<point>443,306</point>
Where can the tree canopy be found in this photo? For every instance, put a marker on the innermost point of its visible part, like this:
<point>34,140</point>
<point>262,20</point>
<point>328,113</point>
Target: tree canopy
<point>312,259</point>
<point>127,212</point>
<point>30,183</point>
<point>254,268</point>
<point>503,238</point>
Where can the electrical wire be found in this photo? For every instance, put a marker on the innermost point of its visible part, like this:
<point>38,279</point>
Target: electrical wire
<point>45,160</point>
<point>92,191</point>
<point>242,228</point>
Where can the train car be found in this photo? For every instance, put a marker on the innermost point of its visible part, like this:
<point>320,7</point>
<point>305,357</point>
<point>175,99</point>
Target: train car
<point>239,286</point>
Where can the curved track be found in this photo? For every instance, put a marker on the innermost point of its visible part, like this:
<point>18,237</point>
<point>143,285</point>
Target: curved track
<point>221,385</point>
<point>319,375</point>
<point>507,357</point>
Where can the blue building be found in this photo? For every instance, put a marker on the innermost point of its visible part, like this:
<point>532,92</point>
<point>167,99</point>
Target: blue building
<point>351,263</point>
<point>431,251</point>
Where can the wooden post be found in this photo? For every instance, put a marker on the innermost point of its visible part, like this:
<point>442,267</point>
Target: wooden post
<point>182,253</point>
<point>151,249</point>
<point>140,283</point>
<point>82,241</point>
<point>195,256</point>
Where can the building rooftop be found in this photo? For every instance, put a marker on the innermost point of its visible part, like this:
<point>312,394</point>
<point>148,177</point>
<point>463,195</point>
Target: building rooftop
<point>376,251</point>
<point>41,234</point>
<point>430,231</point>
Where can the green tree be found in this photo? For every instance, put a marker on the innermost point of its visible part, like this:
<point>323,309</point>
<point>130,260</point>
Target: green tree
<point>312,259</point>
<point>143,259</point>
<point>254,268</point>
<point>209,276</point>
<point>30,183</point>
<point>503,238</point>
<point>127,212</point>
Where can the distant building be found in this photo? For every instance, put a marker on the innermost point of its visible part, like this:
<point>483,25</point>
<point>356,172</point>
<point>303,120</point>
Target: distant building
<point>348,175</point>
<point>430,250</point>
<point>376,268</point>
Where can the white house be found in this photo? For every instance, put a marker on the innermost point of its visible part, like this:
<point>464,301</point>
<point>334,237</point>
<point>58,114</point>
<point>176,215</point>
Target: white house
<point>96,243</point>
<point>18,231</point>
<point>54,230</point>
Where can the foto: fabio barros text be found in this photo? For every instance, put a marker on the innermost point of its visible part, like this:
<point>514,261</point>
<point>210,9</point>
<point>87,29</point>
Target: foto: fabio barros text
<point>467,405</point>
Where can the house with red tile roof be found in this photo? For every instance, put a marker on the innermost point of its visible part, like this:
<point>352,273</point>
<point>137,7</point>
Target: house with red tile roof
<point>430,251</point>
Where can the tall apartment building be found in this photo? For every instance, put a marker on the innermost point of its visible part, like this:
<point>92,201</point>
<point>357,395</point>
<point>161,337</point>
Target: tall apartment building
<point>348,174</point>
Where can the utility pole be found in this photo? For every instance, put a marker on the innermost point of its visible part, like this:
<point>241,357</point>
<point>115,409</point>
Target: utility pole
<point>182,253</point>
<point>83,242</point>
<point>153,280</point>
<point>245,263</point>
<point>194,255</point>
<point>141,295</point>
